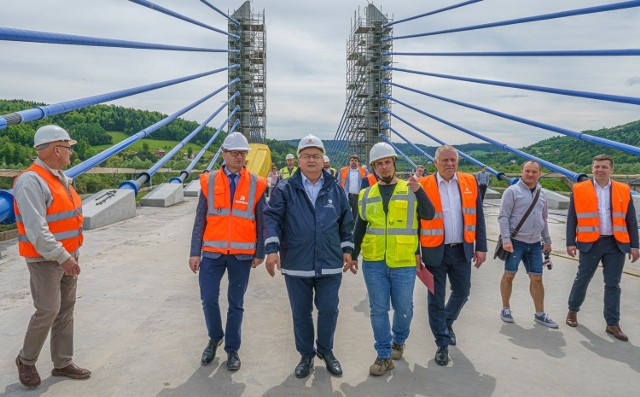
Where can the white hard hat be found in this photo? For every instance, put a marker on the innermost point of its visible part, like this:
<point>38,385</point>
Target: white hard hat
<point>235,141</point>
<point>381,150</point>
<point>325,158</point>
<point>51,133</point>
<point>290,157</point>
<point>310,141</point>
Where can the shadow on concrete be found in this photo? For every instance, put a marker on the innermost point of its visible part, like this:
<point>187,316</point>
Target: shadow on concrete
<point>611,349</point>
<point>363,306</point>
<point>16,389</point>
<point>547,340</point>
<point>460,378</point>
<point>210,380</point>
<point>317,384</point>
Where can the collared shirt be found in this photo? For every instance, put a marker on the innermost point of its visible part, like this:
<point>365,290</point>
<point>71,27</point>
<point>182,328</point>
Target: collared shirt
<point>482,177</point>
<point>451,209</point>
<point>604,208</point>
<point>354,181</point>
<point>312,189</point>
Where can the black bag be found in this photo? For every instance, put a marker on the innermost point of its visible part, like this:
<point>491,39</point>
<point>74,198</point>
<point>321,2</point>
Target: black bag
<point>500,253</point>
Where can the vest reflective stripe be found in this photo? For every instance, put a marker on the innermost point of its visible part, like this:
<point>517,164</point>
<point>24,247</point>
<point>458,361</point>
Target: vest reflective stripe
<point>587,215</point>
<point>432,231</point>
<point>231,231</point>
<point>63,216</point>
<point>391,232</point>
<point>585,200</point>
<point>393,236</point>
<point>225,244</point>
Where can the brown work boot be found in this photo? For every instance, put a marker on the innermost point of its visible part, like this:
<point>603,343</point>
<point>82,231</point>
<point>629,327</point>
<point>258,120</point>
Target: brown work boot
<point>616,332</point>
<point>397,350</point>
<point>71,371</point>
<point>572,319</point>
<point>380,366</point>
<point>28,374</point>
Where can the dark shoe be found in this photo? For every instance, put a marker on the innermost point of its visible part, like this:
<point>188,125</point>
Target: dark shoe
<point>71,371</point>
<point>616,332</point>
<point>442,356</point>
<point>303,369</point>
<point>28,374</point>
<point>209,352</point>
<point>233,361</point>
<point>452,337</point>
<point>572,319</point>
<point>331,362</point>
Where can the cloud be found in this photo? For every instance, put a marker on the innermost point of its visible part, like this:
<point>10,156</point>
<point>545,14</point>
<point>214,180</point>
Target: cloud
<point>306,62</point>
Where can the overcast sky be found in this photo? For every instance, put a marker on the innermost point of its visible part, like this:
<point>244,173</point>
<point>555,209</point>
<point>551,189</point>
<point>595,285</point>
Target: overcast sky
<point>306,62</point>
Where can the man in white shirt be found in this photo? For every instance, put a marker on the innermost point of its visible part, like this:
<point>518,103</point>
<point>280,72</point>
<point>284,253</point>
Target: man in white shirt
<point>449,242</point>
<point>350,178</point>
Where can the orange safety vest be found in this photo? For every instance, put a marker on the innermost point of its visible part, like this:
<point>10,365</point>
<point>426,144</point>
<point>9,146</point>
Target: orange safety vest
<point>64,216</point>
<point>344,176</point>
<point>231,231</point>
<point>585,200</point>
<point>371,178</point>
<point>432,231</point>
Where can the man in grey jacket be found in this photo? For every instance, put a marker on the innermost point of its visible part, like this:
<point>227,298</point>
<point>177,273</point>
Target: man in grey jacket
<point>525,246</point>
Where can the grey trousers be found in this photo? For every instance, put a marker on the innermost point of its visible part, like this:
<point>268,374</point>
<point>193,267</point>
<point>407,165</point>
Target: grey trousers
<point>54,297</point>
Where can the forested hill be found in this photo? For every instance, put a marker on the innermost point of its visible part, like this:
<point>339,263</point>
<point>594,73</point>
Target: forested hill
<point>91,127</point>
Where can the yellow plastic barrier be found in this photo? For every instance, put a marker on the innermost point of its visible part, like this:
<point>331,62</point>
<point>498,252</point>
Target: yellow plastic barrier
<point>259,159</point>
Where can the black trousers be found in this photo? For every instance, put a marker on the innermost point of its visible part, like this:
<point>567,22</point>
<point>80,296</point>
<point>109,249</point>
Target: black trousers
<point>353,203</point>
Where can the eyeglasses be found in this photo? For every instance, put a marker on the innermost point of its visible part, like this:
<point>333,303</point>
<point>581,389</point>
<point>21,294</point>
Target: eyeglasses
<point>311,157</point>
<point>236,153</point>
<point>69,148</point>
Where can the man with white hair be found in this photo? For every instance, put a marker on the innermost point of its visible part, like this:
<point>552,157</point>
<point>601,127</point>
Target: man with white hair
<point>49,221</point>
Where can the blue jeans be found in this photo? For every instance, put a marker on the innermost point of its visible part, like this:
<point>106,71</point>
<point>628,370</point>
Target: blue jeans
<point>326,300</point>
<point>455,266</point>
<point>211,272</point>
<point>529,253</point>
<point>389,285</point>
<point>605,250</point>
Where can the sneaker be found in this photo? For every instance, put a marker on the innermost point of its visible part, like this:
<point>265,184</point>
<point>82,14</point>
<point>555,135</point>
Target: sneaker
<point>544,319</point>
<point>505,315</point>
<point>397,350</point>
<point>381,366</point>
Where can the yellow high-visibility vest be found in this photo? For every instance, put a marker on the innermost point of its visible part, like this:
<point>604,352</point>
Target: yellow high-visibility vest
<point>393,236</point>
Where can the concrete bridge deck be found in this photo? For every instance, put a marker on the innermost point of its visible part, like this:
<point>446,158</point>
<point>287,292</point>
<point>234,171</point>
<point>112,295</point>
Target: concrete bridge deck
<point>140,329</point>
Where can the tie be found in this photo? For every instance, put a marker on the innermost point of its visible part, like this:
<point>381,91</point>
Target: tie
<point>232,186</point>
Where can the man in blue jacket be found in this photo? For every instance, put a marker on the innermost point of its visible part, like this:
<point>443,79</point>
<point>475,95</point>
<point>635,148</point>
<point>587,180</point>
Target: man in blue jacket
<point>309,222</point>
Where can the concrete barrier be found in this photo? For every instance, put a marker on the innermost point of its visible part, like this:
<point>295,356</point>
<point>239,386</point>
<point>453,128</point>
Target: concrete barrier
<point>108,206</point>
<point>192,189</point>
<point>556,201</point>
<point>164,195</point>
<point>492,194</point>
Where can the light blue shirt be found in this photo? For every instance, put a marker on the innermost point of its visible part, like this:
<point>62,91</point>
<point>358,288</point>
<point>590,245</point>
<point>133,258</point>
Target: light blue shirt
<point>312,189</point>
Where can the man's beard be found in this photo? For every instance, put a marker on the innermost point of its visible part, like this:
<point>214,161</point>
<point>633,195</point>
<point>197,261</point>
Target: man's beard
<point>387,179</point>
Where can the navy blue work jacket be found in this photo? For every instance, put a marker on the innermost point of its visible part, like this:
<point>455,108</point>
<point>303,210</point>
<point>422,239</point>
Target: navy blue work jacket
<point>310,240</point>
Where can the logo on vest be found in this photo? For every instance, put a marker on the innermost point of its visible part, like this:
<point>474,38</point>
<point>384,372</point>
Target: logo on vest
<point>241,200</point>
<point>329,204</point>
<point>467,191</point>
